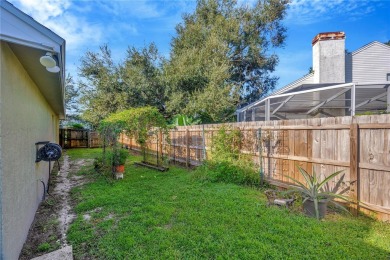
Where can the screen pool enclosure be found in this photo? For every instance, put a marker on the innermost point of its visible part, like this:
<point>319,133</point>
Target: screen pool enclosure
<point>320,100</point>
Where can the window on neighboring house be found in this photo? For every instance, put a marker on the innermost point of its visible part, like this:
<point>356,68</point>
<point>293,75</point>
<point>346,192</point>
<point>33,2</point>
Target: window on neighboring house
<point>388,77</point>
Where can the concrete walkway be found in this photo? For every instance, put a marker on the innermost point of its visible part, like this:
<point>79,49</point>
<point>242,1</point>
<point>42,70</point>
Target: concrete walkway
<point>64,253</point>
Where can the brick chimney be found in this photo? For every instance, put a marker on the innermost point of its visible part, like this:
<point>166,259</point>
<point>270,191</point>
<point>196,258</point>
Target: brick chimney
<point>329,57</point>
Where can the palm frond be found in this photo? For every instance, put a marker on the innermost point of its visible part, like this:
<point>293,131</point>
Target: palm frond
<point>308,178</point>
<point>334,195</point>
<point>300,184</point>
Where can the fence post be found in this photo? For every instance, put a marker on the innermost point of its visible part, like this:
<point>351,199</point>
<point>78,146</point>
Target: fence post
<point>354,168</point>
<point>174,146</point>
<point>204,144</point>
<point>187,148</point>
<point>160,143</point>
<point>157,146</point>
<point>260,150</point>
<point>69,138</point>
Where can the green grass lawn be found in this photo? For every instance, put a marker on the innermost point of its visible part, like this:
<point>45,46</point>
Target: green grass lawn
<point>172,215</point>
<point>80,153</point>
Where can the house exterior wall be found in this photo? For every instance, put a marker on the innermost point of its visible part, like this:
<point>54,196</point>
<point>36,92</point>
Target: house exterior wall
<point>1,170</point>
<point>25,118</point>
<point>369,64</point>
<point>348,67</point>
<point>329,61</point>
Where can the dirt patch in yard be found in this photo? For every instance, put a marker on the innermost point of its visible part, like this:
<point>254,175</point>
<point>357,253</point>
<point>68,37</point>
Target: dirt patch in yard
<point>53,217</point>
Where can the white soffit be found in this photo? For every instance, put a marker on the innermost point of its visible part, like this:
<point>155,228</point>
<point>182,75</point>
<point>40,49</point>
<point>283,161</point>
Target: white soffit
<point>29,40</point>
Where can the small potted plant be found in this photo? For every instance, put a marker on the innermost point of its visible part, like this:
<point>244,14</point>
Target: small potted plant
<point>315,194</point>
<point>119,157</point>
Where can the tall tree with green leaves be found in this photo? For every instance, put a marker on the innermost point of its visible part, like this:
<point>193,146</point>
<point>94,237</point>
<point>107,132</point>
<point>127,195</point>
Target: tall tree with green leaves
<point>72,95</point>
<point>142,74</point>
<point>101,88</point>
<point>108,87</point>
<point>221,57</point>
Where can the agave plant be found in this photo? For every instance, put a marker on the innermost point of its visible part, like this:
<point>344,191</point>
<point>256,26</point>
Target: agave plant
<point>317,191</point>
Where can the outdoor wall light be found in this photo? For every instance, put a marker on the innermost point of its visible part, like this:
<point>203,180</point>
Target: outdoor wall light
<point>55,69</point>
<point>47,60</point>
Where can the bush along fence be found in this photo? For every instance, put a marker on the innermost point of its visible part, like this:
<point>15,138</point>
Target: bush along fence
<point>360,146</point>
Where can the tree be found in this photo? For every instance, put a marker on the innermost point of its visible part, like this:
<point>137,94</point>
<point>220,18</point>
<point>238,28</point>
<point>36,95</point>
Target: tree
<point>100,85</point>
<point>220,57</point>
<point>139,123</point>
<point>142,75</point>
<point>72,95</point>
<point>109,87</point>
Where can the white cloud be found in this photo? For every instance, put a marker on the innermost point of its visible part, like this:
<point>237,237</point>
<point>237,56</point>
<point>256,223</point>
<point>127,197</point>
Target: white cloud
<point>138,8</point>
<point>76,31</point>
<point>42,11</point>
<point>312,11</point>
<point>55,15</point>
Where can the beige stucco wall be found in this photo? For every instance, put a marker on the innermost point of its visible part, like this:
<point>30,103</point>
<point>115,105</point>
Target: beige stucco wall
<point>25,118</point>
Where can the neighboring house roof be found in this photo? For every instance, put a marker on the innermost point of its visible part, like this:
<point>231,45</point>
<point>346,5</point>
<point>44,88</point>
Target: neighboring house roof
<point>29,40</point>
<point>369,45</point>
<point>294,84</point>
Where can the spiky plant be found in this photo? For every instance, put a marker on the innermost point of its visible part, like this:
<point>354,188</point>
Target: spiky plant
<point>316,190</point>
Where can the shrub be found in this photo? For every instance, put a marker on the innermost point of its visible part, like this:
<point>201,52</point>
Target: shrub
<point>111,158</point>
<point>134,122</point>
<point>230,172</point>
<point>118,157</point>
<point>226,164</point>
<point>101,162</point>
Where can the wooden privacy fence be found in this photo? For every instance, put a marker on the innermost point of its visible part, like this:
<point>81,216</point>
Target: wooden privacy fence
<point>358,145</point>
<point>79,138</point>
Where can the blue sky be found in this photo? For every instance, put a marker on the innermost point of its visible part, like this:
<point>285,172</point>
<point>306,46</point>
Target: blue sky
<point>86,25</point>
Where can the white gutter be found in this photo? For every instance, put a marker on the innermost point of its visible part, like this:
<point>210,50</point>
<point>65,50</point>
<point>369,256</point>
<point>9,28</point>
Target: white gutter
<point>35,45</point>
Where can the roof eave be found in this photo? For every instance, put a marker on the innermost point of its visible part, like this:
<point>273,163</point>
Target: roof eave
<point>56,46</point>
